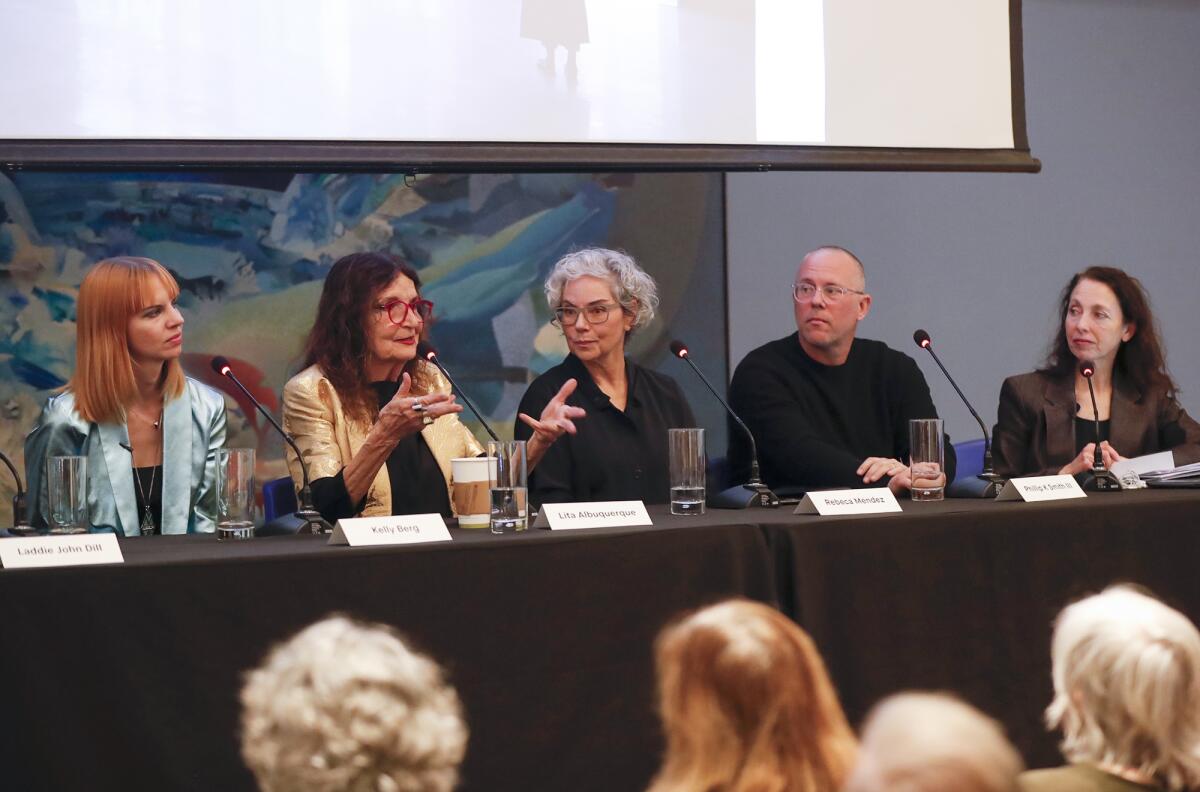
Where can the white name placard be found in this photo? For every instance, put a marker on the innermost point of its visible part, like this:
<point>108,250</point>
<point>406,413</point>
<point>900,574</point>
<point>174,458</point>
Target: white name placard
<point>1041,488</point>
<point>872,500</point>
<point>392,530</point>
<point>595,514</point>
<point>60,551</point>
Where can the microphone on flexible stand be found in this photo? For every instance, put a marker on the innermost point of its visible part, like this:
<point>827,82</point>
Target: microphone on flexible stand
<point>430,354</point>
<point>1100,478</point>
<point>994,481</point>
<point>305,519</point>
<point>752,493</point>
<point>21,526</point>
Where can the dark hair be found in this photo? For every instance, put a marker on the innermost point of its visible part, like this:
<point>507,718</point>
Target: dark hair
<point>338,342</point>
<point>1140,360</point>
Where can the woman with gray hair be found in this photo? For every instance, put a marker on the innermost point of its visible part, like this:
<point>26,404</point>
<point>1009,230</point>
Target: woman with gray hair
<point>1126,674</point>
<point>599,297</point>
<point>345,706</point>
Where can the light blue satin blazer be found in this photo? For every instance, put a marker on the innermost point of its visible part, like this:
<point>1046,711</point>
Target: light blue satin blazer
<point>193,430</point>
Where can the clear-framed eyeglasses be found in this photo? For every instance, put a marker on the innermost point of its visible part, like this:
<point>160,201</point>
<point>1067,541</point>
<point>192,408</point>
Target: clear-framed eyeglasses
<point>397,310</point>
<point>592,314</point>
<point>803,292</point>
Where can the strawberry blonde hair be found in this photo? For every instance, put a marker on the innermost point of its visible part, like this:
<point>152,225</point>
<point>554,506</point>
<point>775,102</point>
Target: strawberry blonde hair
<point>112,292</point>
<point>747,705</point>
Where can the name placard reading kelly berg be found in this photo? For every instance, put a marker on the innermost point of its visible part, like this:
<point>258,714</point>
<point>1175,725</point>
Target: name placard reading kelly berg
<point>392,530</point>
<point>60,551</point>
<point>1041,488</point>
<point>596,514</point>
<point>875,500</point>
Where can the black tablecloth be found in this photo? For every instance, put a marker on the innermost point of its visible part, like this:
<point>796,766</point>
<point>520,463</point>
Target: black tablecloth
<point>126,677</point>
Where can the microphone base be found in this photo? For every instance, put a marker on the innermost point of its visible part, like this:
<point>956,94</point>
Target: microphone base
<point>300,522</point>
<point>995,483</point>
<point>744,496</point>
<point>1101,480</point>
<point>23,530</point>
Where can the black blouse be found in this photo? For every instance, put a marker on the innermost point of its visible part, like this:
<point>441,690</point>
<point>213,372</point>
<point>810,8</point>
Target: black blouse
<point>1085,432</point>
<point>614,455</point>
<point>418,486</point>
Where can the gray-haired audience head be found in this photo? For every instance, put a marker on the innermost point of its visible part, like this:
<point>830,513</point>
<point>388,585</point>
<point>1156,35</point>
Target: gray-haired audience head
<point>347,706</point>
<point>632,288</point>
<point>932,742</point>
<point>1126,673</point>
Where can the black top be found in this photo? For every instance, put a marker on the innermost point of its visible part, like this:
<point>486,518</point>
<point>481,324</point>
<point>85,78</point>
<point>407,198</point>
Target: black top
<point>614,455</point>
<point>1085,432</point>
<point>149,481</point>
<point>418,486</point>
<point>815,424</point>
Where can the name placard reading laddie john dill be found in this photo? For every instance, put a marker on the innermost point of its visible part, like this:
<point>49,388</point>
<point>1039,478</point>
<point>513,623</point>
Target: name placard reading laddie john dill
<point>873,500</point>
<point>60,551</point>
<point>593,514</point>
<point>1041,488</point>
<point>390,530</point>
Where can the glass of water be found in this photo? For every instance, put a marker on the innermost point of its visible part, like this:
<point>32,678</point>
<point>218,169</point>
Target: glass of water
<point>66,479</point>
<point>235,493</point>
<point>927,462</point>
<point>687,470</point>
<point>509,481</point>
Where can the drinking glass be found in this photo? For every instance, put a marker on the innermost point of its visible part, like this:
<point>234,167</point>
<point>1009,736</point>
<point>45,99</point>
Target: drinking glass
<point>509,486</point>
<point>235,493</point>
<point>687,470</point>
<point>926,459</point>
<point>66,479</point>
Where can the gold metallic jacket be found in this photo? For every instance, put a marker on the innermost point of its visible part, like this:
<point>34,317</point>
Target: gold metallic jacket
<point>328,438</point>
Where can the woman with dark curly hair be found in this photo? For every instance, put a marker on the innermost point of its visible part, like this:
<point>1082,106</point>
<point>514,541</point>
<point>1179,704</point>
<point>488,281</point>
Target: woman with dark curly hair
<point>377,425</point>
<point>1045,423</point>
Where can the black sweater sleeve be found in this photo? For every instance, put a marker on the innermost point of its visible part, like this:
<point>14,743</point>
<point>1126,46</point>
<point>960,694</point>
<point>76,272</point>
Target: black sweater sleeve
<point>550,481</point>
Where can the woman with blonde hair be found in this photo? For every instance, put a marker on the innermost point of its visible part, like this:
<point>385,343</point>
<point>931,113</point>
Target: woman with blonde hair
<point>149,433</point>
<point>1126,672</point>
<point>747,705</point>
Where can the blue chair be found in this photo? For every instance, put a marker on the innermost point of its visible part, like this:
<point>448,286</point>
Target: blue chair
<point>279,498</point>
<point>970,459</point>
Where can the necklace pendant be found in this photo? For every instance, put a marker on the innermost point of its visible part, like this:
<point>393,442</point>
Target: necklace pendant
<point>147,523</point>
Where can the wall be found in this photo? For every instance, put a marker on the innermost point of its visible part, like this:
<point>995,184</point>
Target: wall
<point>979,259</point>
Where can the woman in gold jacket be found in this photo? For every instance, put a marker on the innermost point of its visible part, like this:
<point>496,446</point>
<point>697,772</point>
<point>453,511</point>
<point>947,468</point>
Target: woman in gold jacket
<point>377,425</point>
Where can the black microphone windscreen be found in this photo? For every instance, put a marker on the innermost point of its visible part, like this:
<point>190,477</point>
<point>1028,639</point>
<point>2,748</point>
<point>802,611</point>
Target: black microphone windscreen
<point>922,338</point>
<point>219,364</point>
<point>1087,368</point>
<point>678,348</point>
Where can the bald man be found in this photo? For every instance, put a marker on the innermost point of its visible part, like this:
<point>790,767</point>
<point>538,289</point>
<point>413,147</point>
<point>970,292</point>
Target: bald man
<point>826,408</point>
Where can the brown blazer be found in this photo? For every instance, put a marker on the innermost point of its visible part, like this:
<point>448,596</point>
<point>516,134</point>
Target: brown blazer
<point>1035,425</point>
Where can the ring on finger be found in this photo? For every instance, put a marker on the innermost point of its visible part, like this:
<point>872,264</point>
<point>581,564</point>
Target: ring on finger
<point>418,406</point>
<point>426,420</point>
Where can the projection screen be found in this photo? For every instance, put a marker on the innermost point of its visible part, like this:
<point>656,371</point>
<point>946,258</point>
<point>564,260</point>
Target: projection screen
<point>509,84</point>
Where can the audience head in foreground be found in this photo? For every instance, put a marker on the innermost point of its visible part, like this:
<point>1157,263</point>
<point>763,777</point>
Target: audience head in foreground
<point>746,704</point>
<point>1126,695</point>
<point>932,742</point>
<point>346,706</point>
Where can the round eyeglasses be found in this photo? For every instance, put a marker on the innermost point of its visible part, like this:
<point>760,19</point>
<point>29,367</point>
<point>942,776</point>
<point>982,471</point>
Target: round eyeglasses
<point>803,292</point>
<point>592,314</point>
<point>397,310</point>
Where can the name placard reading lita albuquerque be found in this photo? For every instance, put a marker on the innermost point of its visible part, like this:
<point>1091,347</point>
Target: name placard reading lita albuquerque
<point>592,514</point>
<point>391,530</point>
<point>55,551</point>
<point>872,500</point>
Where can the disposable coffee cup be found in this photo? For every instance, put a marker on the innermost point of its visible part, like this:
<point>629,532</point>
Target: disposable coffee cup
<point>470,490</point>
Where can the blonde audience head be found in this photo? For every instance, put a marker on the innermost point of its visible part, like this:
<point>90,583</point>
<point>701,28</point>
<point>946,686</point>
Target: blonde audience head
<point>1126,672</point>
<point>746,704</point>
<point>932,742</point>
<point>346,706</point>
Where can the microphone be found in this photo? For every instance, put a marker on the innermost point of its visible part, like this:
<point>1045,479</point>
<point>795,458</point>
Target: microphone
<point>1100,478</point>
<point>994,482</point>
<point>754,492</point>
<point>306,519</point>
<point>21,526</point>
<point>430,354</point>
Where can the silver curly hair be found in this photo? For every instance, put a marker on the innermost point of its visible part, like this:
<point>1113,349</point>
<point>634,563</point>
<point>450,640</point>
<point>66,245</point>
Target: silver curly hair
<point>345,705</point>
<point>636,291</point>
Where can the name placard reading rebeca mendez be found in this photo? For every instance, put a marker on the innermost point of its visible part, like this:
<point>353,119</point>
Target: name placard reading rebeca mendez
<point>60,551</point>
<point>390,530</point>
<point>869,500</point>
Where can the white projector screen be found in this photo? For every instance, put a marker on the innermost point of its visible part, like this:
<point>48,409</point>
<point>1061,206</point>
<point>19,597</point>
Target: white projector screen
<point>680,83</point>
